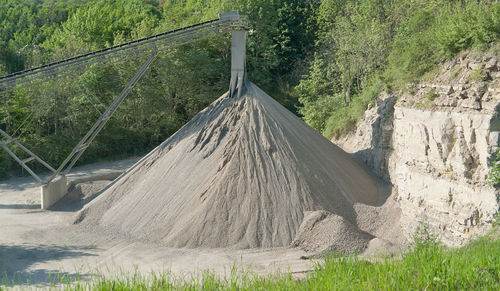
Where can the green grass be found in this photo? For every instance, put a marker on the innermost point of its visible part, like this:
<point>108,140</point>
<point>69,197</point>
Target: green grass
<point>427,266</point>
<point>456,71</point>
<point>478,75</point>
<point>431,95</point>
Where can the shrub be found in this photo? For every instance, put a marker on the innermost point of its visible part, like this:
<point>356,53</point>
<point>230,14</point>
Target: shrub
<point>494,175</point>
<point>431,95</point>
<point>478,75</point>
<point>344,119</point>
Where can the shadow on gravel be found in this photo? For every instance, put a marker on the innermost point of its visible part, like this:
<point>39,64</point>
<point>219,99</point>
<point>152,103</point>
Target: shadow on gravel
<point>17,184</point>
<point>20,206</point>
<point>75,200</point>
<point>16,261</point>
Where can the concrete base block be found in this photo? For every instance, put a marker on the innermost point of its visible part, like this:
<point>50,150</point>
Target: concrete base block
<point>54,191</point>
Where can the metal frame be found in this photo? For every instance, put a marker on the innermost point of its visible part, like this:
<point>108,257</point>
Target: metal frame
<point>160,42</point>
<point>85,142</point>
<point>150,45</point>
<point>23,163</point>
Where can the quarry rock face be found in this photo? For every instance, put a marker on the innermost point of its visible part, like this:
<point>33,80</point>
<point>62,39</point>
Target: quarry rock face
<point>437,153</point>
<point>242,173</point>
<point>441,168</point>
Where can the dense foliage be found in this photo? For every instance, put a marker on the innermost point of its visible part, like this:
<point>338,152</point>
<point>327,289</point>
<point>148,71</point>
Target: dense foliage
<point>366,46</point>
<point>325,59</point>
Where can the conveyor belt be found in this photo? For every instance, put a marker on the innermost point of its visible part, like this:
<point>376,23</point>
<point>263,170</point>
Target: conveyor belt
<point>161,41</point>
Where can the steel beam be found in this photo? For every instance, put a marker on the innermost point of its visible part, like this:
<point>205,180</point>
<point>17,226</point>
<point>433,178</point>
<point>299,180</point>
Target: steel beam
<point>23,164</point>
<point>32,155</point>
<point>85,142</point>
<point>180,36</point>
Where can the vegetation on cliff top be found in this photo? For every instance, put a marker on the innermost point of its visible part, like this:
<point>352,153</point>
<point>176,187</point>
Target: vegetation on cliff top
<point>366,46</point>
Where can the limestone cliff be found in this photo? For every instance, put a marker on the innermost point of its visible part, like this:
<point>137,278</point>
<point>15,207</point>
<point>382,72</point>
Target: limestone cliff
<point>433,142</point>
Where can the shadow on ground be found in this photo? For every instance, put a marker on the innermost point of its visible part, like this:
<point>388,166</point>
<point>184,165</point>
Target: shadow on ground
<point>75,200</point>
<point>20,206</point>
<point>16,261</point>
<point>17,184</point>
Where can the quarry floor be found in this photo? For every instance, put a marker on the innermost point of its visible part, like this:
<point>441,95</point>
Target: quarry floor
<point>38,245</point>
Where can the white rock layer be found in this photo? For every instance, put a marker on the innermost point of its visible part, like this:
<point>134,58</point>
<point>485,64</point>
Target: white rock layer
<point>437,153</point>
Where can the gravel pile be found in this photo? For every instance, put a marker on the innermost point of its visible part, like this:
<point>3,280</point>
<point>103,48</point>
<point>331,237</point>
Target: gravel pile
<point>242,173</point>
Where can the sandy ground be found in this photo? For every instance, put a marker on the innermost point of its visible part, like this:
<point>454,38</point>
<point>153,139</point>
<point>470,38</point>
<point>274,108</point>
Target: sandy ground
<point>36,245</point>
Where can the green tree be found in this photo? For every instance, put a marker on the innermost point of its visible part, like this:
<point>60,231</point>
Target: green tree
<point>365,46</point>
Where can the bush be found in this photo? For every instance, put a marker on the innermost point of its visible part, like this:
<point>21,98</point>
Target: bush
<point>431,95</point>
<point>478,75</point>
<point>438,32</point>
<point>494,175</point>
<point>344,119</point>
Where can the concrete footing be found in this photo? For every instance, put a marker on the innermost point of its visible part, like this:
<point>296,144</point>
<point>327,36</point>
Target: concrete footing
<point>54,191</point>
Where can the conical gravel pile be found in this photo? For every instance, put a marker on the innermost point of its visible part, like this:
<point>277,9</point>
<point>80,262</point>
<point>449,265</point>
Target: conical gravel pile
<point>242,173</point>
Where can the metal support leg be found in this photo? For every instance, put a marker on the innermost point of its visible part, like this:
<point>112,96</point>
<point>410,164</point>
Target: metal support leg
<point>23,164</point>
<point>103,119</point>
<point>32,157</point>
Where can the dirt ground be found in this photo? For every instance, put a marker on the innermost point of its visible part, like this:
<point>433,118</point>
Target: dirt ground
<point>36,245</point>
